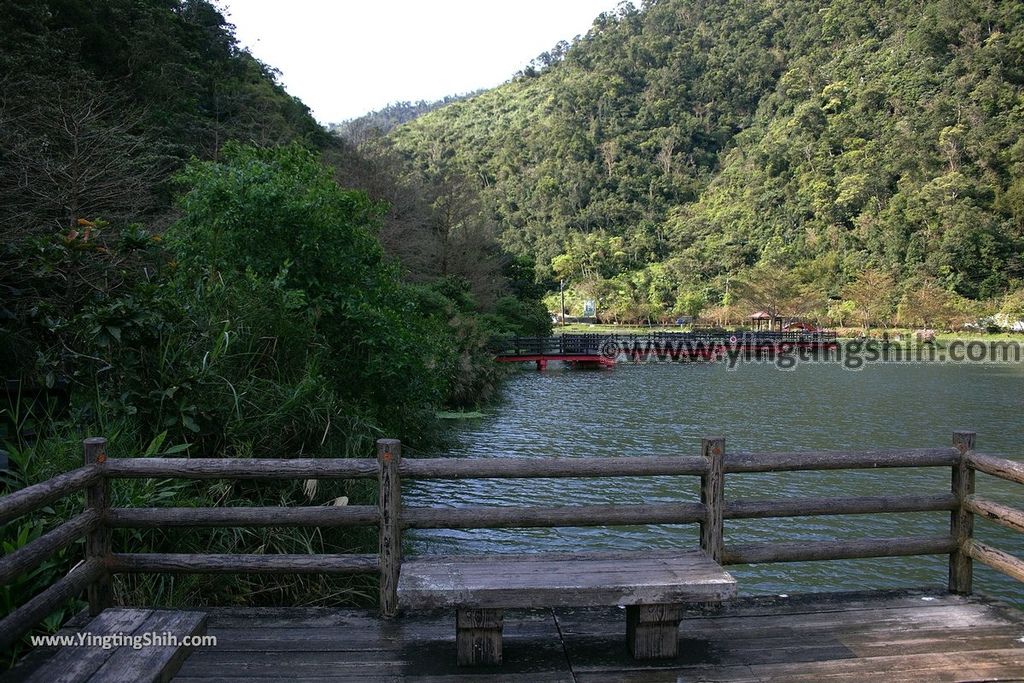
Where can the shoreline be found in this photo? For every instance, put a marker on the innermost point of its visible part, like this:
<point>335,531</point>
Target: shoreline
<point>844,333</point>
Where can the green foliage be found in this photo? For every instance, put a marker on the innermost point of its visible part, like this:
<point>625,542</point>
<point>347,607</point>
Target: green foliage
<point>1013,305</point>
<point>277,213</point>
<point>273,226</point>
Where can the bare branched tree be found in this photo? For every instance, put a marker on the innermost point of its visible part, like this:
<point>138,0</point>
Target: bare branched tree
<point>67,153</point>
<point>436,225</point>
<point>767,288</point>
<point>873,293</point>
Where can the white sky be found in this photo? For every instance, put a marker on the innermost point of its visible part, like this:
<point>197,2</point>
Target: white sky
<point>347,57</point>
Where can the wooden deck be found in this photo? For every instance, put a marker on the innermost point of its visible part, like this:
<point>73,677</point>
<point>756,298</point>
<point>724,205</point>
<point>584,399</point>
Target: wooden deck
<point>887,636</point>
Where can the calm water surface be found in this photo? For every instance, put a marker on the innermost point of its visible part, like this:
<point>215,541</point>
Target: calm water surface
<point>664,409</point>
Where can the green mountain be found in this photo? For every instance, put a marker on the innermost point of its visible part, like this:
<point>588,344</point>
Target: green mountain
<point>689,144</point>
<point>382,121</point>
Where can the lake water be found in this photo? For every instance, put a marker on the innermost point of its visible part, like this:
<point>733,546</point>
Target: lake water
<point>665,408</point>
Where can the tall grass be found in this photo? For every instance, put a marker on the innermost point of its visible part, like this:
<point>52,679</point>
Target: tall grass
<point>60,450</point>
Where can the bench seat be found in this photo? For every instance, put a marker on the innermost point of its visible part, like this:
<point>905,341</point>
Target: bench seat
<point>653,586</point>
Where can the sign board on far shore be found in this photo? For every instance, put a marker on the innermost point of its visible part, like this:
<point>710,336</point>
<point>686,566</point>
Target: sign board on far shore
<point>589,308</point>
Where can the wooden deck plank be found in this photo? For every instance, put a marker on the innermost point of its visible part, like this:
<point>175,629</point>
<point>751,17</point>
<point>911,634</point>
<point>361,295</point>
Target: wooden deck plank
<point>477,677</point>
<point>92,662</point>
<point>842,601</point>
<point>990,665</point>
<point>866,637</point>
<point>932,666</point>
<point>78,663</point>
<point>355,678</point>
<point>326,617</point>
<point>533,657</point>
<point>155,663</point>
<point>341,640</point>
<point>418,647</point>
<point>964,638</point>
<point>953,616</point>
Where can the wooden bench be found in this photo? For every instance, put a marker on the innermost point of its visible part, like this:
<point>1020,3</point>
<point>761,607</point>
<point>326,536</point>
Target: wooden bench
<point>93,663</point>
<point>653,586</point>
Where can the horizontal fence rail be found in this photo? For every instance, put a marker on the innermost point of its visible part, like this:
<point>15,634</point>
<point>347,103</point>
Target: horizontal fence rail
<point>235,468</point>
<point>1007,516</point>
<point>996,559</point>
<point>83,577</point>
<point>33,497</point>
<point>643,466</point>
<point>1009,470</point>
<point>859,505</point>
<point>18,622</point>
<point>391,517</point>
<point>495,517</point>
<point>33,554</point>
<point>1004,515</point>
<point>255,564</point>
<point>550,467</point>
<point>324,516</point>
<point>805,551</point>
<point>840,460</point>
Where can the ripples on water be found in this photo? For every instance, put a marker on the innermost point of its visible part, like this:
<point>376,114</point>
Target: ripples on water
<point>665,409</point>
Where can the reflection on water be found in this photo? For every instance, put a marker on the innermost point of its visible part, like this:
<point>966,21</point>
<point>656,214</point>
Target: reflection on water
<point>664,409</point>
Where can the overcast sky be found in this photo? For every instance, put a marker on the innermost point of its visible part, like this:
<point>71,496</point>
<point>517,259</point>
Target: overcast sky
<point>344,58</point>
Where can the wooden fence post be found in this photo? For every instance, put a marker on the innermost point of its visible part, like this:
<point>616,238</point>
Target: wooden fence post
<point>712,495</point>
<point>389,456</point>
<point>97,542</point>
<point>961,521</point>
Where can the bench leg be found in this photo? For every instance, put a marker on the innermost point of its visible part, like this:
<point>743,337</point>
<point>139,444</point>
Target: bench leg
<point>478,636</point>
<point>652,631</point>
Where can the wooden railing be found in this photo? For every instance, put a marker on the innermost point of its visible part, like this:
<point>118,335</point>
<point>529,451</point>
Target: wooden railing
<point>963,521</point>
<point>712,465</point>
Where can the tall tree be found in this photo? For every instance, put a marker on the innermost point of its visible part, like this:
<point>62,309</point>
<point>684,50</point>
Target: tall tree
<point>874,296</point>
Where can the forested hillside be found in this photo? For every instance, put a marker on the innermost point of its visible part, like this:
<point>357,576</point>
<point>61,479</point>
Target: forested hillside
<point>855,159</point>
<point>104,105</point>
<point>103,102</point>
<point>357,130</point>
